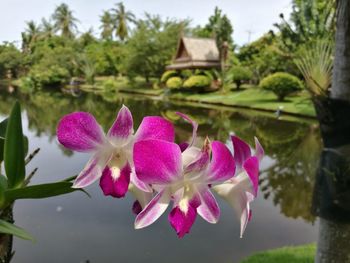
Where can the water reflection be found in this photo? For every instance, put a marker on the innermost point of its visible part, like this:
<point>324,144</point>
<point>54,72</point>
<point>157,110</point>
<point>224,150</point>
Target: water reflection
<point>101,228</point>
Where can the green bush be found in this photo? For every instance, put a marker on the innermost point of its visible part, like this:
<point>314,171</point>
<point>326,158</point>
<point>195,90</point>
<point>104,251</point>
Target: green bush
<point>109,84</point>
<point>186,73</point>
<point>282,84</point>
<point>199,81</point>
<point>208,73</point>
<point>168,74</point>
<point>240,74</point>
<point>174,83</point>
<point>53,75</point>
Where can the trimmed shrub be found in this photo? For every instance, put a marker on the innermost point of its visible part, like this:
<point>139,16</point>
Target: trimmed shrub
<point>282,84</point>
<point>199,81</point>
<point>186,73</point>
<point>240,74</point>
<point>168,74</point>
<point>174,83</point>
<point>109,84</point>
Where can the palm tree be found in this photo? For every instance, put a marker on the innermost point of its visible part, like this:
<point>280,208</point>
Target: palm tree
<point>64,21</point>
<point>107,25</point>
<point>48,29</point>
<point>122,18</point>
<point>31,35</point>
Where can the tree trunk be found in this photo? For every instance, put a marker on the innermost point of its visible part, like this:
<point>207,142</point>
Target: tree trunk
<point>333,205</point>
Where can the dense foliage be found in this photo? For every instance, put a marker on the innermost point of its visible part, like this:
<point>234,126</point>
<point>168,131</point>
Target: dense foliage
<point>197,81</point>
<point>174,83</point>
<point>240,74</point>
<point>282,84</point>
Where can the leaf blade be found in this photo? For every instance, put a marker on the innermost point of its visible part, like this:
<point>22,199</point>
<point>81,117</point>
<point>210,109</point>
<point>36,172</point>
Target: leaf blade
<point>14,148</point>
<point>11,229</point>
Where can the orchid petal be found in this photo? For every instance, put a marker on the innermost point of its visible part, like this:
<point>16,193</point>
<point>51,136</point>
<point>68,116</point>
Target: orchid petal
<point>200,162</point>
<point>194,126</point>
<point>122,127</point>
<point>157,162</point>
<point>142,197</point>
<point>183,146</point>
<point>136,207</point>
<point>241,151</point>
<point>138,183</point>
<point>238,193</point>
<point>115,181</point>
<point>259,151</point>
<point>92,171</point>
<point>79,131</point>
<point>154,127</point>
<point>222,165</point>
<point>190,154</point>
<point>153,210</point>
<point>182,221</point>
<point>251,166</point>
<point>209,209</point>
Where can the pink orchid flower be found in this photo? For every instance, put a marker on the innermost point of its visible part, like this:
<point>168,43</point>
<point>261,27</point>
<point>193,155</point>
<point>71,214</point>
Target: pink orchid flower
<point>242,189</point>
<point>112,154</point>
<point>183,177</point>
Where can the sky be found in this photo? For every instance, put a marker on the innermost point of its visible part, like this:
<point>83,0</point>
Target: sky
<point>256,16</point>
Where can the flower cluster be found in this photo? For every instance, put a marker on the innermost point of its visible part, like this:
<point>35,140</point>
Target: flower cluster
<point>158,171</point>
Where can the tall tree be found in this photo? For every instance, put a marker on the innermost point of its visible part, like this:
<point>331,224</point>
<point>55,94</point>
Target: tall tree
<point>309,20</point>
<point>219,26</point>
<point>31,35</point>
<point>64,20</point>
<point>332,194</point>
<point>107,25</point>
<point>122,19</point>
<point>48,29</point>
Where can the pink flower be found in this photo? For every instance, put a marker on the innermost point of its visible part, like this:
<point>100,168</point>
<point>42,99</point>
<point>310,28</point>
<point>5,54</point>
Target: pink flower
<point>112,154</point>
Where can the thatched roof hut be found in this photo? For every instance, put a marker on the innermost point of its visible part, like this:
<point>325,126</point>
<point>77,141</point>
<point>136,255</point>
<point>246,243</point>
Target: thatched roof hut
<point>196,53</point>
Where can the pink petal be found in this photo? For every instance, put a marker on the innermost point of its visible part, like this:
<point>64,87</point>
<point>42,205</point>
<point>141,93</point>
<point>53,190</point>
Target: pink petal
<point>183,146</point>
<point>154,127</point>
<point>153,210</point>
<point>237,192</point>
<point>114,184</point>
<point>222,165</point>
<point>122,127</point>
<point>92,171</point>
<point>138,183</point>
<point>136,207</point>
<point>209,209</point>
<point>194,126</point>
<point>182,221</point>
<point>251,166</point>
<point>259,151</point>
<point>79,131</point>
<point>157,162</point>
<point>200,162</point>
<point>241,151</point>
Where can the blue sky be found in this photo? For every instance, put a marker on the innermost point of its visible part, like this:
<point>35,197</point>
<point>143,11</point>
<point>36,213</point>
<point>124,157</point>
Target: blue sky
<point>257,16</point>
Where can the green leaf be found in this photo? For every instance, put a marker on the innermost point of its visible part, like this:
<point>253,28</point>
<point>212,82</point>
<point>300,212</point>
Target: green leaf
<point>40,191</point>
<point>8,228</point>
<point>3,126</point>
<point>14,149</point>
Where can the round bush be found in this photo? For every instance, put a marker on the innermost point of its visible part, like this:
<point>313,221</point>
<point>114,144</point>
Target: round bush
<point>282,84</point>
<point>174,83</point>
<point>199,81</point>
<point>240,74</point>
<point>168,74</point>
<point>186,73</point>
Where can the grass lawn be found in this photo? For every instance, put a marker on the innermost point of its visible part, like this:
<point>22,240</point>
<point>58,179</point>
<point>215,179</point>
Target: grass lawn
<point>300,254</point>
<point>254,98</point>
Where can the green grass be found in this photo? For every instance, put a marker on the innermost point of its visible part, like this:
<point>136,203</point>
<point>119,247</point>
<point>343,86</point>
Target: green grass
<point>299,254</point>
<point>254,98</point>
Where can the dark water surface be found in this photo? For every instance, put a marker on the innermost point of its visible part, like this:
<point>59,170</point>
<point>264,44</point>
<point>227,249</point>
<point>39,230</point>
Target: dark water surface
<point>74,228</point>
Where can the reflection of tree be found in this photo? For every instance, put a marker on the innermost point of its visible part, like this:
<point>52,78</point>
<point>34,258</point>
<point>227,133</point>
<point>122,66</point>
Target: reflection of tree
<point>291,178</point>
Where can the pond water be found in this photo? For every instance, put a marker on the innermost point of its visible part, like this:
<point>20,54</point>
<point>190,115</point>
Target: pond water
<point>75,228</point>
